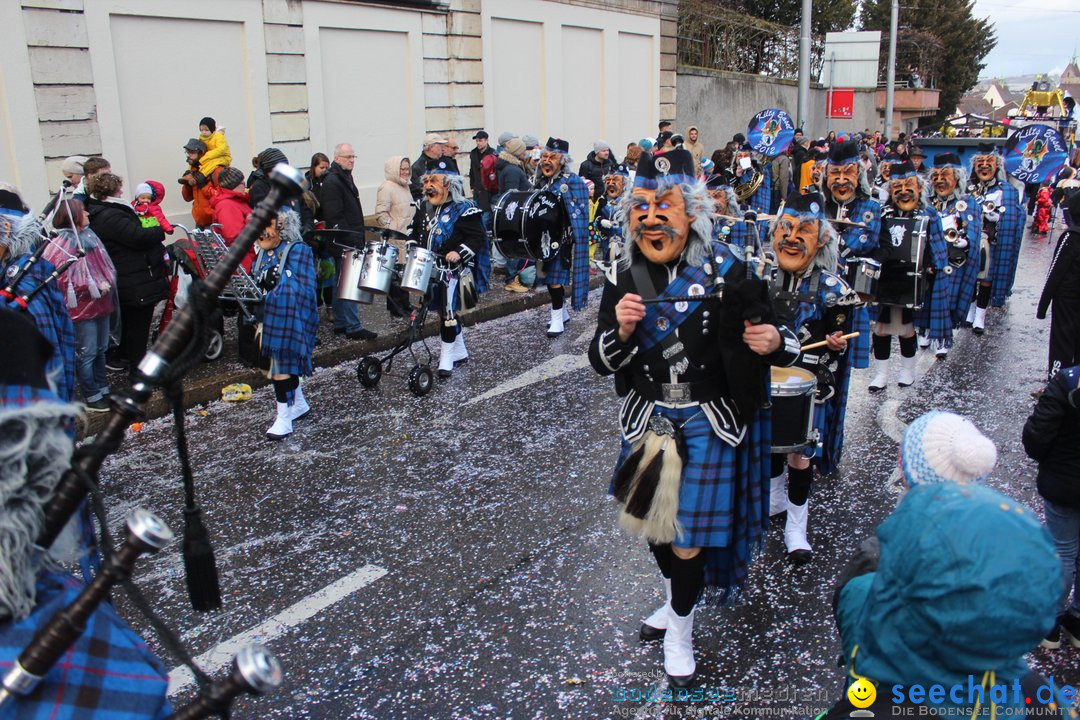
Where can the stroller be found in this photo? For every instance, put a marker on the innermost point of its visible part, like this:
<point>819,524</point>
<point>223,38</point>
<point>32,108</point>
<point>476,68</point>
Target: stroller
<point>195,256</point>
<point>370,272</point>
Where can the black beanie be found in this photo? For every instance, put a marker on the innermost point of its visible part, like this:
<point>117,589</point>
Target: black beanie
<point>269,159</point>
<point>208,122</point>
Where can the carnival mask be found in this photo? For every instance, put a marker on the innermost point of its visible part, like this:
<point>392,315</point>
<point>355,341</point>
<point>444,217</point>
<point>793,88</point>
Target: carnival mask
<point>842,181</point>
<point>944,181</point>
<point>817,171</point>
<point>796,242</point>
<point>884,169</point>
<point>904,193</point>
<point>614,186</point>
<point>659,223</point>
<point>720,197</point>
<point>986,167</point>
<point>550,163</point>
<point>271,236</point>
<point>436,189</point>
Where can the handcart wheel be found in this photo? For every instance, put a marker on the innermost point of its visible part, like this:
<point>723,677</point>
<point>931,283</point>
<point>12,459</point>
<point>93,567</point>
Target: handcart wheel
<point>421,380</point>
<point>215,347</point>
<point>369,371</point>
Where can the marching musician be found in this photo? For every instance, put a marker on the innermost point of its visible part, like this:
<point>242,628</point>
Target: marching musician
<point>881,182</point>
<point>905,219</point>
<point>285,268</point>
<point>961,223</point>
<point>849,197</point>
<point>22,268</point>
<point>693,376</point>
<point>572,263</point>
<point>616,190</point>
<point>1003,225</point>
<point>108,672</point>
<point>747,168</point>
<point>817,304</point>
<point>726,206</point>
<point>452,226</point>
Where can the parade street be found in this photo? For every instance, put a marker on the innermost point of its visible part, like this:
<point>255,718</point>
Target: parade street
<point>457,556</point>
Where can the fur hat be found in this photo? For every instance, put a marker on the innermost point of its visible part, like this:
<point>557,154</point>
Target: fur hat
<point>945,447</point>
<point>73,165</point>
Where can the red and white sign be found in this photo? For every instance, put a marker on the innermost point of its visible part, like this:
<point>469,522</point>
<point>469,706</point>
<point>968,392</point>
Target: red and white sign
<point>840,103</point>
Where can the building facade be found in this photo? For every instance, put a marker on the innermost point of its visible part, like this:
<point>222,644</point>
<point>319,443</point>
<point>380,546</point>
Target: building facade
<point>130,79</point>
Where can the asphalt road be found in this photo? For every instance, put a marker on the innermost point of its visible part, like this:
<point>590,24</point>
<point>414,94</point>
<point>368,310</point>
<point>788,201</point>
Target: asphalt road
<point>455,556</point>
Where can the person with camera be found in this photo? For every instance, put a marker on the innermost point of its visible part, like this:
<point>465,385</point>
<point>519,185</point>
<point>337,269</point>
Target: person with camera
<point>285,269</point>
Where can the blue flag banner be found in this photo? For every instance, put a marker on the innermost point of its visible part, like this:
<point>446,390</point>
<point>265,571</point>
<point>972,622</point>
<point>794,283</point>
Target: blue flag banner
<point>770,132</point>
<point>1035,153</point>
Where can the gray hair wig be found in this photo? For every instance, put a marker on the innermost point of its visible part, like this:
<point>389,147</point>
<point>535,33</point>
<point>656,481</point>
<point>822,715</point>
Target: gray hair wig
<point>26,234</point>
<point>456,185</point>
<point>699,205</point>
<point>35,450</point>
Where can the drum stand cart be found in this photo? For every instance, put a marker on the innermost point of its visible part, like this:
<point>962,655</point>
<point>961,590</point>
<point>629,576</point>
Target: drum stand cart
<point>421,379</point>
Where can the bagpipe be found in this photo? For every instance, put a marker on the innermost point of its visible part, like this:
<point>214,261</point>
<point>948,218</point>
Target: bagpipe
<point>178,349</point>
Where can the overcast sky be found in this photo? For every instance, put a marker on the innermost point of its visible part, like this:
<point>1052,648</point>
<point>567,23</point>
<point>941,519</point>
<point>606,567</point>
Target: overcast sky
<point>1033,35</point>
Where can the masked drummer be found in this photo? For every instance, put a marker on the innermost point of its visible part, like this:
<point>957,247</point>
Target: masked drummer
<point>906,203</point>
<point>572,263</point>
<point>856,216</point>
<point>285,269</point>
<point>961,223</point>
<point>817,303</point>
<point>1003,224</point>
<point>692,473</point>
<point>725,209</point>
<point>881,182</point>
<point>616,190</point>
<point>450,225</point>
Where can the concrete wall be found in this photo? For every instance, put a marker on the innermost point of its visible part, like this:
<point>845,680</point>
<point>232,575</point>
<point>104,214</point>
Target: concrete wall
<point>722,103</point>
<point>130,80</point>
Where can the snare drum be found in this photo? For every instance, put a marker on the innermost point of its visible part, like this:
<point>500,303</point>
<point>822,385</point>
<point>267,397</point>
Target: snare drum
<point>792,409</point>
<point>352,264</point>
<point>419,264</point>
<point>863,275</point>
<point>378,268</point>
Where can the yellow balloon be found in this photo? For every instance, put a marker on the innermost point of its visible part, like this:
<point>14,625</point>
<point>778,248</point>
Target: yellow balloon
<point>862,693</point>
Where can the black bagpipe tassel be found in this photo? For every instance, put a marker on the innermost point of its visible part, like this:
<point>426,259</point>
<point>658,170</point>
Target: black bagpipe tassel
<point>199,564</point>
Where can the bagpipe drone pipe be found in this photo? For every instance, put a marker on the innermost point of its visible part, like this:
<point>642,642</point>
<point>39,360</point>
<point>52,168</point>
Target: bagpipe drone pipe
<point>57,631</point>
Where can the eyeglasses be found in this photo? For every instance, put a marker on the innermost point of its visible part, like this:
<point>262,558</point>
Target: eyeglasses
<point>347,157</point>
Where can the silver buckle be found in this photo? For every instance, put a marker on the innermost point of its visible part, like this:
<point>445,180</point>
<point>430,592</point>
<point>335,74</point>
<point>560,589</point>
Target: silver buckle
<point>675,392</point>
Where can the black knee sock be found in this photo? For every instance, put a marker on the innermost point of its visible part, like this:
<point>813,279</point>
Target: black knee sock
<point>778,463</point>
<point>687,581</point>
<point>908,346</point>
<point>663,555</point>
<point>882,346</point>
<point>282,388</point>
<point>448,333</point>
<point>982,297</point>
<point>557,295</point>
<point>798,484</point>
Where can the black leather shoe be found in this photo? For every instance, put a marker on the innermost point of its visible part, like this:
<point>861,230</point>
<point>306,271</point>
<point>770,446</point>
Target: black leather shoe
<point>459,363</point>
<point>681,682</point>
<point>339,331</point>
<point>648,633</point>
<point>444,374</point>
<point>361,334</point>
<point>799,557</point>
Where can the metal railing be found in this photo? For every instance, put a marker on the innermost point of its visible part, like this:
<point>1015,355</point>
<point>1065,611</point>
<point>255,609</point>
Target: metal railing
<point>718,39</point>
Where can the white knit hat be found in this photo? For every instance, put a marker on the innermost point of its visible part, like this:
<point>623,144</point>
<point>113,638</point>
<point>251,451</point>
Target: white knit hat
<point>144,189</point>
<point>945,447</point>
<point>600,145</point>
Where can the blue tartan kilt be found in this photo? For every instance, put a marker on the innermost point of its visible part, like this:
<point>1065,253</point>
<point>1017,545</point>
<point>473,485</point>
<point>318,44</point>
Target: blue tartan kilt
<point>860,347</point>
<point>962,289</point>
<point>935,315</point>
<point>108,673</point>
<point>558,271</point>
<point>723,500</point>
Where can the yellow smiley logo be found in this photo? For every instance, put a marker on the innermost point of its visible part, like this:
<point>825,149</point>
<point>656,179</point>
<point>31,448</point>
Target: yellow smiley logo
<point>862,693</point>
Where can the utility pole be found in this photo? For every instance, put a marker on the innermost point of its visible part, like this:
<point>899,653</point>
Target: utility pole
<point>890,85</point>
<point>804,68</point>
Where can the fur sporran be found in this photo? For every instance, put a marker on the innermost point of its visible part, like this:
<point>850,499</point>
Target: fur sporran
<point>647,484</point>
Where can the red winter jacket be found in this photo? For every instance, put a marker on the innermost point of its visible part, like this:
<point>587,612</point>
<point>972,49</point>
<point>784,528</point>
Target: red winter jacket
<point>231,211</point>
<point>153,208</point>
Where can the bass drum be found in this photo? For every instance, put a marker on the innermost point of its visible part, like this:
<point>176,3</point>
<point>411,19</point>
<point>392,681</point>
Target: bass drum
<point>529,224</point>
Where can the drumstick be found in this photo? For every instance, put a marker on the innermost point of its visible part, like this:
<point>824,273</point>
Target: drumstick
<point>823,343</point>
